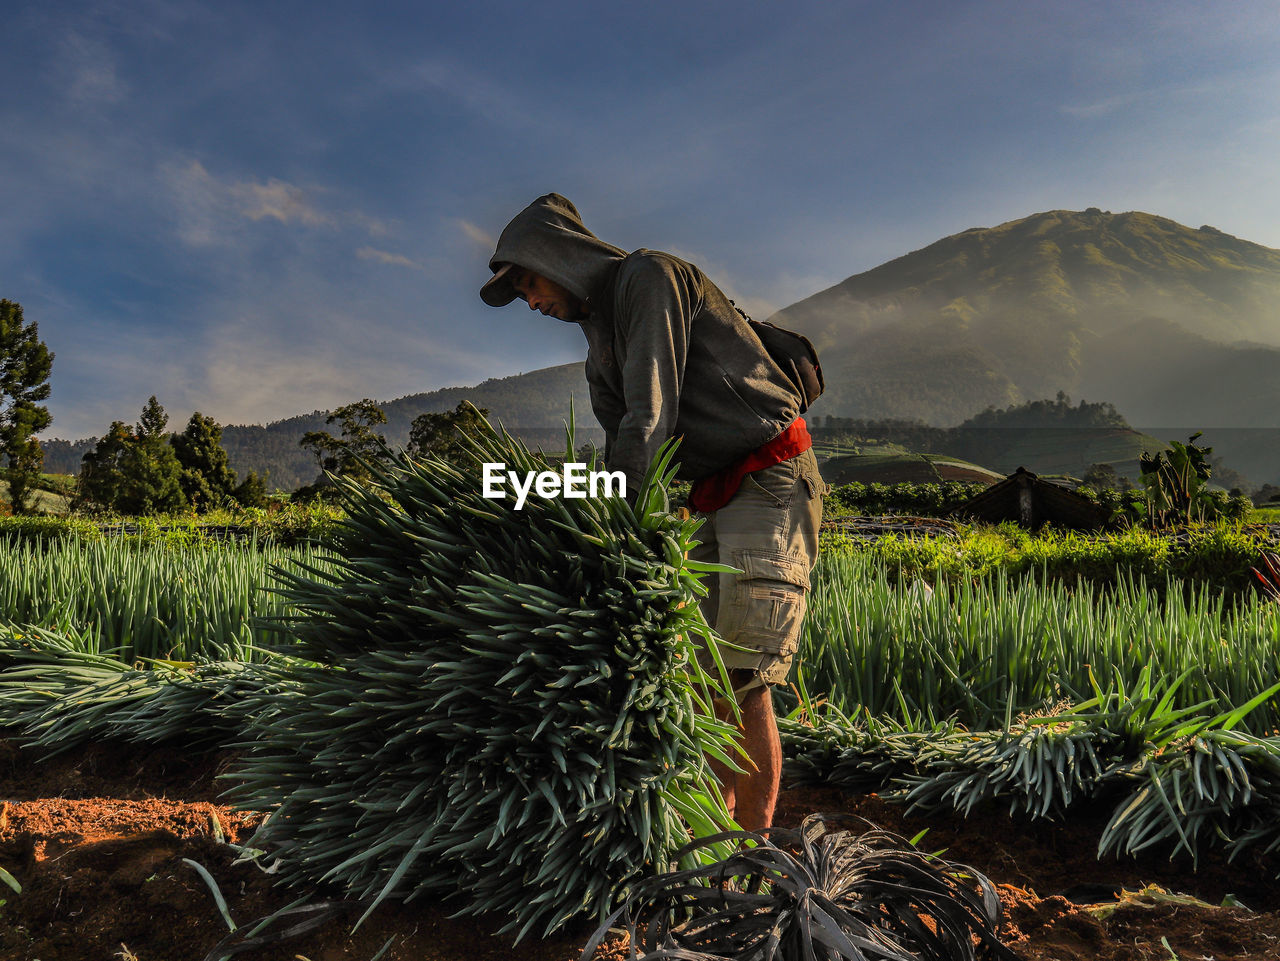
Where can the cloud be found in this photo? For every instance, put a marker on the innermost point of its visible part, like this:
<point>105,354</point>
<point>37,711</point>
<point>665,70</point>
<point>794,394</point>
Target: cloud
<point>208,208</point>
<point>1164,96</point>
<point>370,225</point>
<point>755,306</point>
<point>478,235</point>
<point>257,367</point>
<point>1101,108</point>
<point>386,257</point>
<point>90,72</point>
<point>277,200</point>
<point>476,92</point>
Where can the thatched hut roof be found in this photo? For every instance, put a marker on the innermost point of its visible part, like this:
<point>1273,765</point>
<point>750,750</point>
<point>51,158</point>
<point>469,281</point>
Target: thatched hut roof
<point>1025,499</point>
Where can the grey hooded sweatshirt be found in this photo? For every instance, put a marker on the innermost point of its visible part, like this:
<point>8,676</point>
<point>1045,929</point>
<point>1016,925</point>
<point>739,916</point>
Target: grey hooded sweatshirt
<point>668,355</point>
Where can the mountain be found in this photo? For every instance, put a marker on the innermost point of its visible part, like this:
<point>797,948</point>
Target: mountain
<point>1172,325</point>
<point>1169,323</point>
<point>534,406</point>
<point>1183,377</point>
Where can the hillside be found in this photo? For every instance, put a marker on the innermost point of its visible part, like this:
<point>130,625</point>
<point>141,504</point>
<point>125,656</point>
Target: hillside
<point>1172,325</point>
<point>897,468</point>
<point>1058,450</point>
<point>1054,437</point>
<point>533,406</point>
<point>42,500</point>
<point>1122,307</point>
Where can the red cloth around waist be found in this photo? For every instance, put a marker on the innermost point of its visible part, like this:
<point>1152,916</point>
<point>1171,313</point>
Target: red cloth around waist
<point>713,492</point>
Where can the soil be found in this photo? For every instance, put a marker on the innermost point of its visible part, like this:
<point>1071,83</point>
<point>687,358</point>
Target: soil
<point>100,839</point>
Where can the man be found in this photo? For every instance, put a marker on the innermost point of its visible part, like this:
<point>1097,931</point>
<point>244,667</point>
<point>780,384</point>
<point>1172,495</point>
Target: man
<point>670,356</point>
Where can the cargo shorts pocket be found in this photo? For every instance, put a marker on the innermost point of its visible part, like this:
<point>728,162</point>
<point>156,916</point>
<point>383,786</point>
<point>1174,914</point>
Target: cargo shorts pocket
<point>813,482</point>
<point>774,485</point>
<point>768,601</point>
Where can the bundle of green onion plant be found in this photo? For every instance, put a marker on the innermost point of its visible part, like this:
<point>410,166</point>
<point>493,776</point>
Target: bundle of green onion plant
<point>503,709</point>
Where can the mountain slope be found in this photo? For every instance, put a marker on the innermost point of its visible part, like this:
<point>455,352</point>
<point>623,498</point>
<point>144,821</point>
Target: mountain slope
<point>1104,269</point>
<point>532,406</point>
<point>1116,307</point>
<point>1171,324</point>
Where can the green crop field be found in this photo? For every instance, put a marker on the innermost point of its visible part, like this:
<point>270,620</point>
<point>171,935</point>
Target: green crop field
<point>138,602</point>
<point>982,650</point>
<point>1134,673</point>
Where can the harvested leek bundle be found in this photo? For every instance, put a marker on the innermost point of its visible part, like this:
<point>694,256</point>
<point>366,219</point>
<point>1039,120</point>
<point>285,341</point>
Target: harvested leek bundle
<point>505,707</point>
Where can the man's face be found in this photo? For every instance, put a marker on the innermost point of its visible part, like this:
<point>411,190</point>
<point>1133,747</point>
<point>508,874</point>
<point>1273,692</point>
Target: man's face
<point>547,296</point>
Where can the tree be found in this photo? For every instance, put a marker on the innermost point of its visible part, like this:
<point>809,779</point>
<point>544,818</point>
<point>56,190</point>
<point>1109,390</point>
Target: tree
<point>346,455</point>
<point>252,491</point>
<point>207,481</point>
<point>1267,494</point>
<point>1175,481</point>
<point>1228,478</point>
<point>152,474</point>
<point>102,470</point>
<point>442,433</point>
<point>25,365</point>
<point>1103,477</point>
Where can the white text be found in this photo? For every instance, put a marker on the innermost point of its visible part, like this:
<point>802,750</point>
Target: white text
<point>574,480</point>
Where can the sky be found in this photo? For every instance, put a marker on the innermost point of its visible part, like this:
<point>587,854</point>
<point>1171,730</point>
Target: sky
<point>258,210</point>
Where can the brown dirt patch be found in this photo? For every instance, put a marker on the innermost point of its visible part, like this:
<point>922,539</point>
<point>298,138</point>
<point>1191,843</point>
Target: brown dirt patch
<point>98,840</point>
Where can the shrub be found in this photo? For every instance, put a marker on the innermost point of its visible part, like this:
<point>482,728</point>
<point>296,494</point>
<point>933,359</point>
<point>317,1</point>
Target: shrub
<point>924,500</point>
<point>285,526</point>
<point>1205,556</point>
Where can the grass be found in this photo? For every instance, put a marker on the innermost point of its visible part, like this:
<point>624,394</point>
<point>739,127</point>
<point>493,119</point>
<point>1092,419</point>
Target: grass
<point>42,501</point>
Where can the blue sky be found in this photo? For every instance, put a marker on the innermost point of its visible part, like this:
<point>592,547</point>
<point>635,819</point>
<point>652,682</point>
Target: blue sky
<point>257,210</point>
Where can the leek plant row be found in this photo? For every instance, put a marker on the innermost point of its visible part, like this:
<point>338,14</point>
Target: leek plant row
<point>149,602</point>
<point>985,650</point>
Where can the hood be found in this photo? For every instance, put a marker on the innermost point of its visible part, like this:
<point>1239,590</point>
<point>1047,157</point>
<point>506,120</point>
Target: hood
<point>549,238</point>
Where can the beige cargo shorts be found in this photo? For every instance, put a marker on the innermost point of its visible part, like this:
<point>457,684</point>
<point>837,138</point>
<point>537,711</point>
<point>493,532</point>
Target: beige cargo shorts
<point>769,532</point>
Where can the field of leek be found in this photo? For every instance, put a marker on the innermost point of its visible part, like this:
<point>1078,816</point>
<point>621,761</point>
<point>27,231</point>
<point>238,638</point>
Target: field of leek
<point>986,649</point>
<point>943,674</point>
<point>150,601</point>
<point>1161,705</point>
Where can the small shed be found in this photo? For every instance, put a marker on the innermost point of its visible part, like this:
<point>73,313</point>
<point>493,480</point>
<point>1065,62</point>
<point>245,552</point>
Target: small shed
<point>1025,499</point>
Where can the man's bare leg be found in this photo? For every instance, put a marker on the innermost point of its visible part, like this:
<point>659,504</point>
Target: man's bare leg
<point>757,791</point>
<point>752,795</point>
